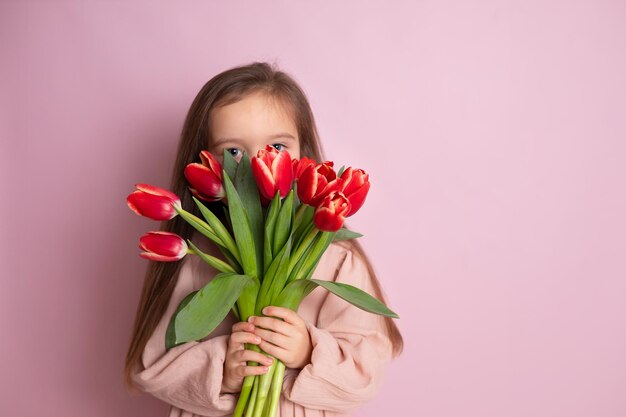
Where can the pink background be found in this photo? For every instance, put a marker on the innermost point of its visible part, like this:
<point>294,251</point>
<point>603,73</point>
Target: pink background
<point>494,133</point>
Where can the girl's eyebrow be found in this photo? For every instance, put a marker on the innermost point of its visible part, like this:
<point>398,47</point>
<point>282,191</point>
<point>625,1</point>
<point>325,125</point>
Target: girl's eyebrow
<point>220,141</point>
<point>284,135</point>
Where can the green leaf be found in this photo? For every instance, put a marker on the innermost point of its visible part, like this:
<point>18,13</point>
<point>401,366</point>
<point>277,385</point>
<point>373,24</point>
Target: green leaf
<point>296,200</point>
<point>229,225</point>
<point>270,221</point>
<point>246,187</point>
<point>170,334</point>
<point>230,164</point>
<point>275,277</point>
<point>234,263</point>
<point>282,274</point>
<point>345,234</point>
<point>296,271</point>
<point>283,223</point>
<point>247,300</point>
<point>211,260</point>
<point>313,256</point>
<point>343,168</point>
<point>303,221</point>
<point>219,229</point>
<point>356,297</point>
<point>241,229</point>
<point>294,293</point>
<point>200,225</point>
<point>208,307</point>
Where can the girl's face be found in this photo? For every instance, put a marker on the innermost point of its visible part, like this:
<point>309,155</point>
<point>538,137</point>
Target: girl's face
<point>249,125</point>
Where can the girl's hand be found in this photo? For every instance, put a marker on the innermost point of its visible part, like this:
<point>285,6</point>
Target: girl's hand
<point>235,367</point>
<point>287,340</point>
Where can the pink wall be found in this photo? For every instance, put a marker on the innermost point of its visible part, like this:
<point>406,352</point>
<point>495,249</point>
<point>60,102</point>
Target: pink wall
<point>494,133</point>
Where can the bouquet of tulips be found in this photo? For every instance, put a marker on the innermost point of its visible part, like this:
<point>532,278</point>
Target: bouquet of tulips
<point>280,217</point>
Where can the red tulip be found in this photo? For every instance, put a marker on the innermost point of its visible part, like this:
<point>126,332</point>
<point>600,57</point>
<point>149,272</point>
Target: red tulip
<point>299,165</point>
<point>153,202</point>
<point>330,214</point>
<point>206,178</point>
<point>355,184</point>
<point>316,182</point>
<point>273,172</point>
<point>162,246</point>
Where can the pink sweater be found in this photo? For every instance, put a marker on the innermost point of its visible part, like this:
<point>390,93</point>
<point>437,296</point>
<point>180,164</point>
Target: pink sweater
<point>350,349</point>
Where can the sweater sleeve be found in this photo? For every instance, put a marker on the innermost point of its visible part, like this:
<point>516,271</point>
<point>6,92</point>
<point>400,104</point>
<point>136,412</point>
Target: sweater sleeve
<point>187,376</point>
<point>350,349</point>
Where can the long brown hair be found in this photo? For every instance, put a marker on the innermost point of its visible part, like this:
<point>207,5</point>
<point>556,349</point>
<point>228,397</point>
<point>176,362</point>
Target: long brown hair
<point>225,88</point>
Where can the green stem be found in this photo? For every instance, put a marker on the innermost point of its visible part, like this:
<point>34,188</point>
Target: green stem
<point>200,225</point>
<point>277,387</point>
<point>248,383</point>
<point>302,247</point>
<point>300,211</point>
<point>298,216</point>
<point>266,408</point>
<point>264,387</point>
<point>244,395</point>
<point>252,399</point>
<point>211,260</point>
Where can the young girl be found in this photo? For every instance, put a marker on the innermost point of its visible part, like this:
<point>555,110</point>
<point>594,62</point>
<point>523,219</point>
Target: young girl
<point>334,352</point>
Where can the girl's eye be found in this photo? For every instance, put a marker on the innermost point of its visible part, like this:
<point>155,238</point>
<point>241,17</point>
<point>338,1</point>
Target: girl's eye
<point>233,151</point>
<point>279,146</point>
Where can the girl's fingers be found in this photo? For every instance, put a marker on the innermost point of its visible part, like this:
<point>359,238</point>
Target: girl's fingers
<point>271,323</point>
<point>237,339</point>
<point>272,337</point>
<point>244,371</point>
<point>242,326</point>
<point>275,351</point>
<point>252,356</point>
<point>286,314</point>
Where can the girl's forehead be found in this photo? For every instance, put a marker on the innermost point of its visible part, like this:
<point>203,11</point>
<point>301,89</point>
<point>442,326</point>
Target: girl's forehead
<point>255,114</point>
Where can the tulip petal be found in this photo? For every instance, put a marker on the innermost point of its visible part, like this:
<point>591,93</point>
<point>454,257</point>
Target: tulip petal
<point>355,185</point>
<point>212,163</point>
<point>316,182</point>
<point>164,244</point>
<point>153,206</point>
<point>326,220</point>
<point>151,189</point>
<point>307,185</point>
<point>358,198</point>
<point>299,165</point>
<point>160,258</point>
<point>263,177</point>
<point>205,182</point>
<point>330,214</point>
<point>283,173</point>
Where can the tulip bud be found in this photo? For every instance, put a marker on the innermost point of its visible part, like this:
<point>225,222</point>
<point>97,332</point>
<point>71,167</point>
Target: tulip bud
<point>272,172</point>
<point>330,214</point>
<point>316,182</point>
<point>206,178</point>
<point>355,185</point>
<point>153,202</point>
<point>299,165</point>
<point>162,246</point>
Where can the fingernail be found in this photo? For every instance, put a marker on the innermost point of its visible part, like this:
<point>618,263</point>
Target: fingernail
<point>265,310</point>
<point>251,319</point>
<point>257,339</point>
<point>269,361</point>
